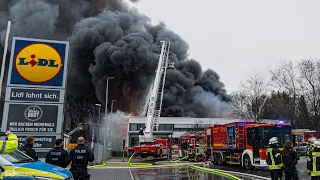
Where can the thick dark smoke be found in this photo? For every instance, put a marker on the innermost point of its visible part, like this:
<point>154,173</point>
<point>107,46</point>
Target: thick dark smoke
<point>108,38</point>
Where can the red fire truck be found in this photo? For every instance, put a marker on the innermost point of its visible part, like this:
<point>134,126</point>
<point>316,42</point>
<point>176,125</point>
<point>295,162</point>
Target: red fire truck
<point>244,143</point>
<point>193,138</point>
<point>302,135</point>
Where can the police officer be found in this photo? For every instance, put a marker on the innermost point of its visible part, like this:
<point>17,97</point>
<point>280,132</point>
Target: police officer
<point>80,156</point>
<point>57,156</point>
<point>10,145</point>
<point>314,161</point>
<point>290,159</point>
<point>27,148</point>
<point>274,159</point>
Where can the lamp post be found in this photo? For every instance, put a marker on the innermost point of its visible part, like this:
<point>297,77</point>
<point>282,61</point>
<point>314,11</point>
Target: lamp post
<point>109,137</point>
<point>99,120</point>
<point>105,122</point>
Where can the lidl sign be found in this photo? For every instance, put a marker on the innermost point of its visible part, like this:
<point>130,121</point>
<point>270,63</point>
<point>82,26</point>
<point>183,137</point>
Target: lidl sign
<point>38,62</point>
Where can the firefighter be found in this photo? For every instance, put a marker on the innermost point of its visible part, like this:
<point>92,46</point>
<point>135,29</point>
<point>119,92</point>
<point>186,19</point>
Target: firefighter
<point>10,145</point>
<point>314,161</point>
<point>274,159</point>
<point>80,157</point>
<point>310,148</point>
<point>191,153</point>
<point>57,156</point>
<point>290,159</point>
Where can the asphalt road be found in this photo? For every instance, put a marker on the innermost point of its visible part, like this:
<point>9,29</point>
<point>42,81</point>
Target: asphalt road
<point>301,167</point>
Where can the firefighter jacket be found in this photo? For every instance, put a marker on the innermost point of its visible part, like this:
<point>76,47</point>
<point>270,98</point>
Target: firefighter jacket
<point>309,148</point>
<point>274,159</point>
<point>9,145</point>
<point>314,162</point>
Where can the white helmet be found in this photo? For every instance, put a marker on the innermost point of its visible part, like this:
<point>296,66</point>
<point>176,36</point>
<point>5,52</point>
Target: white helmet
<point>316,144</point>
<point>273,140</point>
<point>312,139</point>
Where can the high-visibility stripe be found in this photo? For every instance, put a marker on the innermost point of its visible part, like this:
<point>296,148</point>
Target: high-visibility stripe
<point>314,171</point>
<point>273,163</point>
<point>3,147</point>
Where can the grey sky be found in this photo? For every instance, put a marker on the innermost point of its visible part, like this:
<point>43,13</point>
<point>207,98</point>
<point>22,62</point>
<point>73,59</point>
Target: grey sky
<point>238,37</point>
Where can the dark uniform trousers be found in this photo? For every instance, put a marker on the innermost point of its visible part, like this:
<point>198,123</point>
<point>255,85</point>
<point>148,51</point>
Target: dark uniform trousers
<point>80,156</point>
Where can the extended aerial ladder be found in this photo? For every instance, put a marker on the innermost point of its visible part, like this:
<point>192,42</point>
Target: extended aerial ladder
<point>149,144</point>
<point>155,102</point>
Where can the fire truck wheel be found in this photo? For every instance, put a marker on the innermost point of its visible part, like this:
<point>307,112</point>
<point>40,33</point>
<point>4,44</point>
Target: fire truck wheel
<point>247,163</point>
<point>219,160</point>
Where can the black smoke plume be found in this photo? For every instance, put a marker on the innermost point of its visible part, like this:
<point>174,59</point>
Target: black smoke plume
<point>108,38</point>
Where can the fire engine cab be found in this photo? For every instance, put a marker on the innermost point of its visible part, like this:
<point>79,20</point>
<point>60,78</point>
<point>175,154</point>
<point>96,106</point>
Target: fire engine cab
<point>244,143</point>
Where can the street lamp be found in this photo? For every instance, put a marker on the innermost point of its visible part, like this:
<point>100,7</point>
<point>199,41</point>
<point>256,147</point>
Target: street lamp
<point>99,121</point>
<point>109,137</point>
<point>105,122</point>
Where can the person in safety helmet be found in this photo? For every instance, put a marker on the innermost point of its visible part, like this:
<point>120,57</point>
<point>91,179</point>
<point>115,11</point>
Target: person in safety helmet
<point>274,159</point>
<point>290,159</point>
<point>310,148</point>
<point>314,161</point>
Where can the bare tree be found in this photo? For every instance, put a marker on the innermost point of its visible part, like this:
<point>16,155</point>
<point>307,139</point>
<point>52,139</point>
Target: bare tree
<point>240,105</point>
<point>79,111</point>
<point>253,95</point>
<point>310,85</point>
<point>285,79</point>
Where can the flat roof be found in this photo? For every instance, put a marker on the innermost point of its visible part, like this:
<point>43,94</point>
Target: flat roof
<point>188,120</point>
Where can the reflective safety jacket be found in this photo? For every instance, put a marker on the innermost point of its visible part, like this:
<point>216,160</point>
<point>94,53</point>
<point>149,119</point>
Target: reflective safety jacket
<point>314,162</point>
<point>274,159</point>
<point>310,148</point>
<point>9,145</point>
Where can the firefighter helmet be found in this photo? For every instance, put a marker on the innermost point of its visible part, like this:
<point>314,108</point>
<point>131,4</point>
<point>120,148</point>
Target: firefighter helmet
<point>273,140</point>
<point>312,139</point>
<point>316,144</point>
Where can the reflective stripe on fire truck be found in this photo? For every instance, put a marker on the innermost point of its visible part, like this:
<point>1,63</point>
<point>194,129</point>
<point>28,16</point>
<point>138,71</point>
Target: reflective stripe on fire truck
<point>273,163</point>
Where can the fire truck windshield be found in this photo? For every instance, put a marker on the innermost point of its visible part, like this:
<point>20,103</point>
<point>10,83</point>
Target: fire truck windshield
<point>283,133</point>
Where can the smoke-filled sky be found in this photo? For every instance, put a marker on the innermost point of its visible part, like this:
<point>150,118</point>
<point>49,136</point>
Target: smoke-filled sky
<point>108,38</point>
<point>238,37</point>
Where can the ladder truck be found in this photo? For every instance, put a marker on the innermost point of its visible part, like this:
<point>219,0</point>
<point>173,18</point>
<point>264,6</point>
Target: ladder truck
<point>149,144</point>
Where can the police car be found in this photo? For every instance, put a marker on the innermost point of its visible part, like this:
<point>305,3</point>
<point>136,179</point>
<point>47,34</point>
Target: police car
<point>19,165</point>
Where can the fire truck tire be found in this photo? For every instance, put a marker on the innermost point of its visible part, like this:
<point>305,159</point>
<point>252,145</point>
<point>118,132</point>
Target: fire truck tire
<point>219,159</point>
<point>247,162</point>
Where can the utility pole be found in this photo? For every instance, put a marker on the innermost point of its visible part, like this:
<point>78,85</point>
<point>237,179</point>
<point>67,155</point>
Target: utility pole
<point>4,56</point>
<point>105,121</point>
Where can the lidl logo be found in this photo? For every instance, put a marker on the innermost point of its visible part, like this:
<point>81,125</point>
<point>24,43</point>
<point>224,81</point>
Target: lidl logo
<point>38,63</point>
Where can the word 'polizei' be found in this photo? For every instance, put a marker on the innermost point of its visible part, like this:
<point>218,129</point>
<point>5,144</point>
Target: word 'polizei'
<point>34,95</point>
